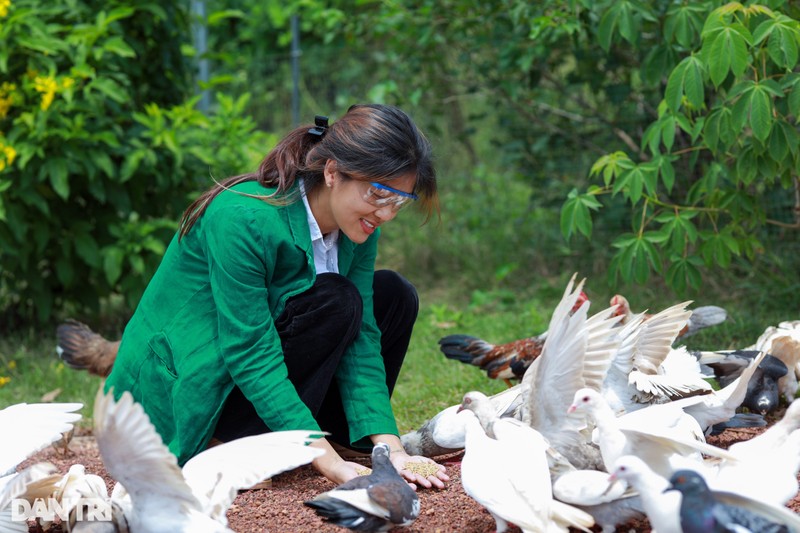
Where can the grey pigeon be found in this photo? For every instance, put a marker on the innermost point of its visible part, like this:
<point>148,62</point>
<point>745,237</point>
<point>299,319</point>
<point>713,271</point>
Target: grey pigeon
<point>702,512</point>
<point>377,502</point>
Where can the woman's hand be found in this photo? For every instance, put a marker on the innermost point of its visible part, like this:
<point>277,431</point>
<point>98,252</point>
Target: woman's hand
<point>342,471</point>
<point>400,460</point>
<point>332,466</point>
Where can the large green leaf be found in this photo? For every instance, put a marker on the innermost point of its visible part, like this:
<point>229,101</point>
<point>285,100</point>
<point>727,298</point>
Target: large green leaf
<point>793,99</point>
<point>782,34</point>
<point>575,214</point>
<point>727,52</point>
<point>685,79</point>
<point>113,257</point>
<point>761,113</point>
<point>683,23</point>
<point>683,272</point>
<point>56,171</point>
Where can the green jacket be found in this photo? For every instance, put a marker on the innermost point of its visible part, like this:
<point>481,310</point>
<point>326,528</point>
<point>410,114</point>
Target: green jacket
<point>206,322</point>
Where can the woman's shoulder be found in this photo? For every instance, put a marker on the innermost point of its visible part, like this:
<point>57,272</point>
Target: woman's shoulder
<point>251,199</point>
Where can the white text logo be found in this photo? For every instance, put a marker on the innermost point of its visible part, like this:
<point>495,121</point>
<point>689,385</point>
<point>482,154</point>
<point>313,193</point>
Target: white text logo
<point>47,509</point>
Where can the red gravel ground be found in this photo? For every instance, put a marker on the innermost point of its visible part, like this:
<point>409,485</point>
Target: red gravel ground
<point>280,508</point>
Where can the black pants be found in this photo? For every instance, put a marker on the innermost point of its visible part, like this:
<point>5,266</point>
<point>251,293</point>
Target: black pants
<point>315,329</point>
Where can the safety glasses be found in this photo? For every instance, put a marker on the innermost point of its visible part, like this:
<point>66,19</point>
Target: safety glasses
<point>380,195</point>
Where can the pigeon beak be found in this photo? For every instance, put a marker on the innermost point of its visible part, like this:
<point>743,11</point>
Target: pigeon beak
<point>571,409</point>
<point>612,480</point>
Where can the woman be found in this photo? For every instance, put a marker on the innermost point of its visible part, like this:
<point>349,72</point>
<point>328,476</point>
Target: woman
<point>266,312</point>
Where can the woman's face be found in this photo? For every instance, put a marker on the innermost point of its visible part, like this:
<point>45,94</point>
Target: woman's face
<point>350,208</point>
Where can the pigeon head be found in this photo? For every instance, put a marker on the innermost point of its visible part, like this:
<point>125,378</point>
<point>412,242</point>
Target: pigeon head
<point>626,468</point>
<point>688,483</point>
<point>584,399</point>
<point>472,401</point>
<point>380,450</point>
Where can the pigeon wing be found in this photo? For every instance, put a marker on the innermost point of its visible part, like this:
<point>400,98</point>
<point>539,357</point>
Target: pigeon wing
<point>772,513</point>
<point>358,498</point>
<point>576,352</point>
<point>400,500</point>
<point>657,335</point>
<point>34,426</point>
<point>39,480</point>
<point>7,525</point>
<point>216,475</point>
<point>135,455</point>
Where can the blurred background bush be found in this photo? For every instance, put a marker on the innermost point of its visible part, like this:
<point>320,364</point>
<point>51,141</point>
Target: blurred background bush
<point>562,142</point>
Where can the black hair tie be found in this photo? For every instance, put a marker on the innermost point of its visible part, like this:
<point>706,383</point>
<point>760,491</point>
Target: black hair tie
<point>321,126</point>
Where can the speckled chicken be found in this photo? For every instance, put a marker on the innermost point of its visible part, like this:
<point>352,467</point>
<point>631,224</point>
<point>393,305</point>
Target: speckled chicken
<point>500,361</point>
<point>509,361</point>
<point>83,349</point>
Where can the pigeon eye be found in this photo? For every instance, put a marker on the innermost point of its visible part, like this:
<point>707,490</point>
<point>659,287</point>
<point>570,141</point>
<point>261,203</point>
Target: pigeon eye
<point>585,398</point>
<point>622,469</point>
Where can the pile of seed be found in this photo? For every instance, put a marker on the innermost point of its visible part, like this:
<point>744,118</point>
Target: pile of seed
<point>365,471</point>
<point>423,469</point>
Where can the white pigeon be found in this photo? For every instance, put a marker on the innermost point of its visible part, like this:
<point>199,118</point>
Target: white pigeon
<point>767,464</point>
<point>39,480</point>
<point>660,434</point>
<point>662,508</point>
<point>445,432</point>
<point>589,490</point>
<point>153,492</point>
<point>647,369</point>
<point>506,471</point>
<point>34,426</point>
<point>576,354</point>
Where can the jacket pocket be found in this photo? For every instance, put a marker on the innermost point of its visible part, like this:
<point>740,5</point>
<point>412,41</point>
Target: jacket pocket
<point>161,348</point>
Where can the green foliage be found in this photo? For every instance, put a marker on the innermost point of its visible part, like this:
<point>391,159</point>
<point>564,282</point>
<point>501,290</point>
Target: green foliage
<point>725,136</point>
<point>102,146</point>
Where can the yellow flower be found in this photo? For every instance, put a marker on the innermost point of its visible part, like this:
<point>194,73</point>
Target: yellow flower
<point>7,155</point>
<point>5,105</point>
<point>3,379</point>
<point>48,86</point>
<point>6,96</point>
<point>47,99</point>
<point>4,5</point>
<point>12,365</point>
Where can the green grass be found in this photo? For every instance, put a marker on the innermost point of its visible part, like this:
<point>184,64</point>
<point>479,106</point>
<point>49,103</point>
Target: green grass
<point>428,381</point>
<point>32,372</point>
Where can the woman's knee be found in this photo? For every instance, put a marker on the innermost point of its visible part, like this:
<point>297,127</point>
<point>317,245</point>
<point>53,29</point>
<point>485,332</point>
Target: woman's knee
<point>338,296</point>
<point>391,290</point>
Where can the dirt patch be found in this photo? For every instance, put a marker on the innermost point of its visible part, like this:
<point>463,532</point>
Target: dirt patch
<point>280,508</point>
